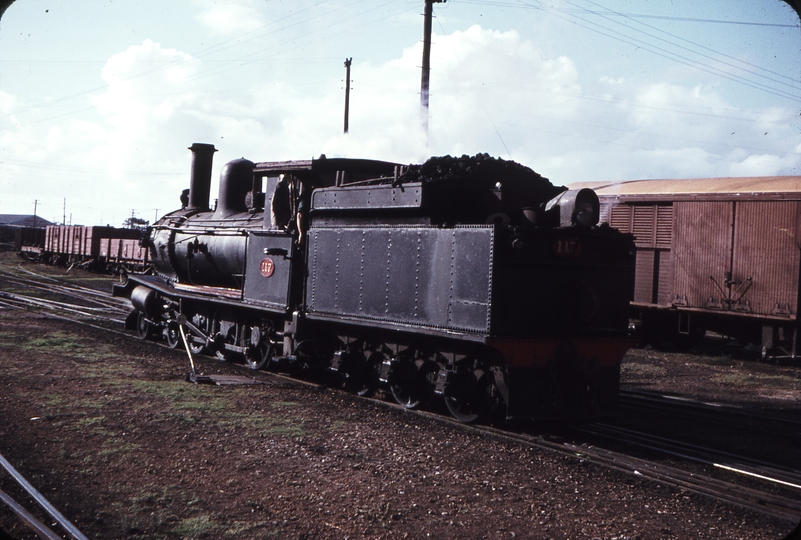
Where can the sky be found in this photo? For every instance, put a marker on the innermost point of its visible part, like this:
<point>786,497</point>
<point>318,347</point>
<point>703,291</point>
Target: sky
<point>100,100</point>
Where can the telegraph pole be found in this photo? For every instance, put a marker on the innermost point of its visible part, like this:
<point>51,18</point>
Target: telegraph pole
<point>35,204</point>
<point>427,16</point>
<point>347,90</point>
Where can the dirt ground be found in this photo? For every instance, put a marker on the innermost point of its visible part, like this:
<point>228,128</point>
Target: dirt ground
<point>106,427</point>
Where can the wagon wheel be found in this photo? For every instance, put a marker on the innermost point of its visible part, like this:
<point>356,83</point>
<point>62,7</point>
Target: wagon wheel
<point>412,384</point>
<point>371,378</point>
<point>363,378</point>
<point>259,357</point>
<point>462,409</point>
<point>144,328</point>
<point>477,397</point>
<point>173,335</point>
<point>464,402</point>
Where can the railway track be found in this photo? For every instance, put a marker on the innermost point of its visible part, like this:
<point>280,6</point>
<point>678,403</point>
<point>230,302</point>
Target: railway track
<point>715,413</point>
<point>785,506</point>
<point>781,502</point>
<point>72,302</point>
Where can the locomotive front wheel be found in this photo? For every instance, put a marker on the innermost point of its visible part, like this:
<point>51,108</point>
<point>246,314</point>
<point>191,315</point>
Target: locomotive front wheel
<point>144,328</point>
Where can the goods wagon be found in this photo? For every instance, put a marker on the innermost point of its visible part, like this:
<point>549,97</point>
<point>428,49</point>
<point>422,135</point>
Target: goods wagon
<point>719,254</point>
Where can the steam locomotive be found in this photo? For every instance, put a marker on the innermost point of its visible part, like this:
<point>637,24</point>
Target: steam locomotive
<point>473,279</point>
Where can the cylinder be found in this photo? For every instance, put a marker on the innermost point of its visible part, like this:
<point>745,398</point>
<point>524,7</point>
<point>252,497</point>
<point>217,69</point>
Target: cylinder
<point>145,300</point>
<point>200,177</point>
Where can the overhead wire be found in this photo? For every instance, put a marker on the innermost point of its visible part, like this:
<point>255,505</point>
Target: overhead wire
<point>513,4</point>
<point>628,102</point>
<point>659,51</point>
<point>750,65</point>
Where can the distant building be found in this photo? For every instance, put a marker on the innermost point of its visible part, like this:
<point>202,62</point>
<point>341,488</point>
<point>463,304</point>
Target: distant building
<point>24,220</point>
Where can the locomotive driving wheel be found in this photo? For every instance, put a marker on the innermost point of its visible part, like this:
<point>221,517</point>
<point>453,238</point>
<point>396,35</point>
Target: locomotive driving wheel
<point>202,321</point>
<point>172,334</point>
<point>259,353</point>
<point>259,357</point>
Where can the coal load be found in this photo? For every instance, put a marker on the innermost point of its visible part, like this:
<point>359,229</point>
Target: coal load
<point>462,189</point>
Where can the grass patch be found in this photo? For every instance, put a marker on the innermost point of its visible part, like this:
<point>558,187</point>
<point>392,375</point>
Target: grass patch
<point>284,404</point>
<point>195,527</point>
<point>56,342</point>
<point>183,396</point>
<point>238,528</point>
<point>757,379</point>
<point>642,370</point>
<point>118,448</point>
<point>92,421</point>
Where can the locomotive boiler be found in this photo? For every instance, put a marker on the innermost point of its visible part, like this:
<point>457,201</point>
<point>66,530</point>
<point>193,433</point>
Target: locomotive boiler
<point>472,279</point>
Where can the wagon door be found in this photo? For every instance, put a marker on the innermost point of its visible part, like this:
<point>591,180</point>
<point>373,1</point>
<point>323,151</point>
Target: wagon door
<point>765,258</point>
<point>652,226</point>
<point>702,253</point>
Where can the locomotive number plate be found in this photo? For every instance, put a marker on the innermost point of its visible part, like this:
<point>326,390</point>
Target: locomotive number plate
<point>267,267</point>
<point>567,247</point>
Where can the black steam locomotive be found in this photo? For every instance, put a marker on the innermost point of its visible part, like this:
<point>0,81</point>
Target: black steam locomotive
<point>471,278</point>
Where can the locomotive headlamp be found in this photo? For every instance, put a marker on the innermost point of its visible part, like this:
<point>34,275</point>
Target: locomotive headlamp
<point>576,207</point>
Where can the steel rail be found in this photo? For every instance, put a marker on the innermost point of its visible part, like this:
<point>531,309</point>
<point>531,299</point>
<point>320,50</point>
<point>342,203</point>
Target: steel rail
<point>723,460</point>
<point>51,304</point>
<point>752,499</point>
<point>84,293</point>
<point>43,301</point>
<point>40,528</point>
<point>680,405</point>
<point>44,503</point>
<point>701,484</point>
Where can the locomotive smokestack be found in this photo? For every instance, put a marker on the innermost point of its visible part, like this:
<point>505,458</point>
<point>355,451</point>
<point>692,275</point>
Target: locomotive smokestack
<point>200,177</point>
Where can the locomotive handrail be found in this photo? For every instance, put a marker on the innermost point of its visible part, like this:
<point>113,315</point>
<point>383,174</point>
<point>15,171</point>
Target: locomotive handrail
<point>204,232</point>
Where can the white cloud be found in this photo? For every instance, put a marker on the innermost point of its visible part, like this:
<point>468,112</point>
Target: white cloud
<point>229,18</point>
<point>764,165</point>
